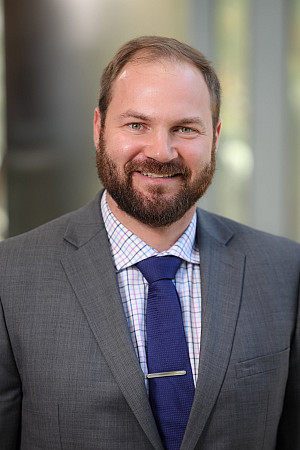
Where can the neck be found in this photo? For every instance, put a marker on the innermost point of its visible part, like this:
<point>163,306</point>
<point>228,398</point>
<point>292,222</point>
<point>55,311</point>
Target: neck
<point>161,238</point>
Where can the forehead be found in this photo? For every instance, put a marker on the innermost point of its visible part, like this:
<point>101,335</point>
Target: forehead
<point>157,66</point>
<point>161,81</point>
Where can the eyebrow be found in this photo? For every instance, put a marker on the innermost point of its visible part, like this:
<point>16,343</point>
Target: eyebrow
<point>192,120</point>
<point>134,114</point>
<point>184,121</point>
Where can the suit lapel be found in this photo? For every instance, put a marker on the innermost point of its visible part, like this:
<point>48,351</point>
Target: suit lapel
<point>91,272</point>
<point>222,271</point>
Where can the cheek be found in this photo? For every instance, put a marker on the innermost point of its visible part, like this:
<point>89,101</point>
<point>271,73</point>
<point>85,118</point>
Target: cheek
<point>197,156</point>
<point>121,150</point>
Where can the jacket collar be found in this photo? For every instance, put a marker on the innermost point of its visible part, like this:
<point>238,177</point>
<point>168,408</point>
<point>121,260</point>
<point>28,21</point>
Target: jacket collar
<point>91,272</point>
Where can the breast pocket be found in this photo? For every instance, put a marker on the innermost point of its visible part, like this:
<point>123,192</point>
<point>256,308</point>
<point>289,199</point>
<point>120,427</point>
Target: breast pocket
<point>263,364</point>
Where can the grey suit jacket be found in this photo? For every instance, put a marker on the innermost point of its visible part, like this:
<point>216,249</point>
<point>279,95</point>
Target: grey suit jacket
<point>69,376</point>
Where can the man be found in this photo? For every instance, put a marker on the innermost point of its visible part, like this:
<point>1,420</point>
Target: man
<point>77,338</point>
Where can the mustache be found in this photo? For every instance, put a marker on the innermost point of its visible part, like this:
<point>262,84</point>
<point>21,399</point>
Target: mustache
<point>170,168</point>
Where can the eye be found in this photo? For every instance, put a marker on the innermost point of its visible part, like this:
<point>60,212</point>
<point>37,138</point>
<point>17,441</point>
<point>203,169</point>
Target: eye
<point>136,126</point>
<point>186,130</point>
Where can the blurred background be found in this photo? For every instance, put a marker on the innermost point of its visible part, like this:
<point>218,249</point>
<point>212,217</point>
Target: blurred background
<point>52,53</point>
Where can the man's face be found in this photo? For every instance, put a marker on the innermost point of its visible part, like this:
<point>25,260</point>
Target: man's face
<point>156,155</point>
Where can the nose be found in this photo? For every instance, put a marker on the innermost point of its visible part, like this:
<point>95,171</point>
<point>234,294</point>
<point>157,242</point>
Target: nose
<point>161,147</point>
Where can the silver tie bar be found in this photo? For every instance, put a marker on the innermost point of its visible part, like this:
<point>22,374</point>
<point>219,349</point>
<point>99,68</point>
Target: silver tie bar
<point>166,374</point>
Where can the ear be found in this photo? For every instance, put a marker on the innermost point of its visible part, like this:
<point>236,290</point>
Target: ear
<point>97,127</point>
<point>217,133</point>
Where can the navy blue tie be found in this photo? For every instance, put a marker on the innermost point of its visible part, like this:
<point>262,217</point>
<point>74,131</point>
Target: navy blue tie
<point>171,386</point>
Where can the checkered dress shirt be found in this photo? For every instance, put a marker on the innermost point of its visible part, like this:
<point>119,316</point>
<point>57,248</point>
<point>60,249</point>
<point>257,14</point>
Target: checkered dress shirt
<point>127,250</point>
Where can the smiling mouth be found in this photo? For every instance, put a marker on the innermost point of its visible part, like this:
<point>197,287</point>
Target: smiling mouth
<point>156,175</point>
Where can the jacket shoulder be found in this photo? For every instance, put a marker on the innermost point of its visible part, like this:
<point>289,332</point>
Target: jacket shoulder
<point>246,239</point>
<point>50,236</point>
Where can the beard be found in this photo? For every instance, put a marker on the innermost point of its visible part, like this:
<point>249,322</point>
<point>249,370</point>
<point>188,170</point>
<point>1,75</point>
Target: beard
<point>156,209</point>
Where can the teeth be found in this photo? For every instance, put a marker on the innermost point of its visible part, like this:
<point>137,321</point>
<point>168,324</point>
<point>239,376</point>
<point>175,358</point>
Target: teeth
<point>155,175</point>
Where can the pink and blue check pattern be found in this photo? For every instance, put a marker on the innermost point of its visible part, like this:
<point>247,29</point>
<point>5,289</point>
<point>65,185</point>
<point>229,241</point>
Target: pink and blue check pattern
<point>127,250</point>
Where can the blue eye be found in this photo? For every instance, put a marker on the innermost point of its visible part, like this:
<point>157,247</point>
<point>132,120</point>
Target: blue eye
<point>136,126</point>
<point>185,130</point>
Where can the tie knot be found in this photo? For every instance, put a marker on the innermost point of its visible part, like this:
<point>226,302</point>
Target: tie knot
<point>159,268</point>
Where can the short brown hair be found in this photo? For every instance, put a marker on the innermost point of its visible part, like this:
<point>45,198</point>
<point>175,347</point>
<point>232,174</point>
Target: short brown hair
<point>146,48</point>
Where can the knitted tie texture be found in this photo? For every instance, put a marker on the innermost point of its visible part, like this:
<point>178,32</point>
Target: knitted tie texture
<point>171,397</point>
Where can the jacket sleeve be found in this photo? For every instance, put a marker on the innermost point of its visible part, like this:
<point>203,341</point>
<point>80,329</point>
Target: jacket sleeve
<point>10,392</point>
<point>289,427</point>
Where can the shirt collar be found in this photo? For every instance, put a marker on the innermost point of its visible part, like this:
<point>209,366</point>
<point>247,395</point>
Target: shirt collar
<point>128,249</point>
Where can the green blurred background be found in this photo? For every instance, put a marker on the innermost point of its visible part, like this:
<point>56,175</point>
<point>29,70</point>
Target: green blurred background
<point>52,54</point>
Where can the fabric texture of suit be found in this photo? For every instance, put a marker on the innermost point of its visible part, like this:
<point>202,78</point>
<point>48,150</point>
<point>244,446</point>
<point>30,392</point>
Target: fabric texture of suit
<point>69,376</point>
